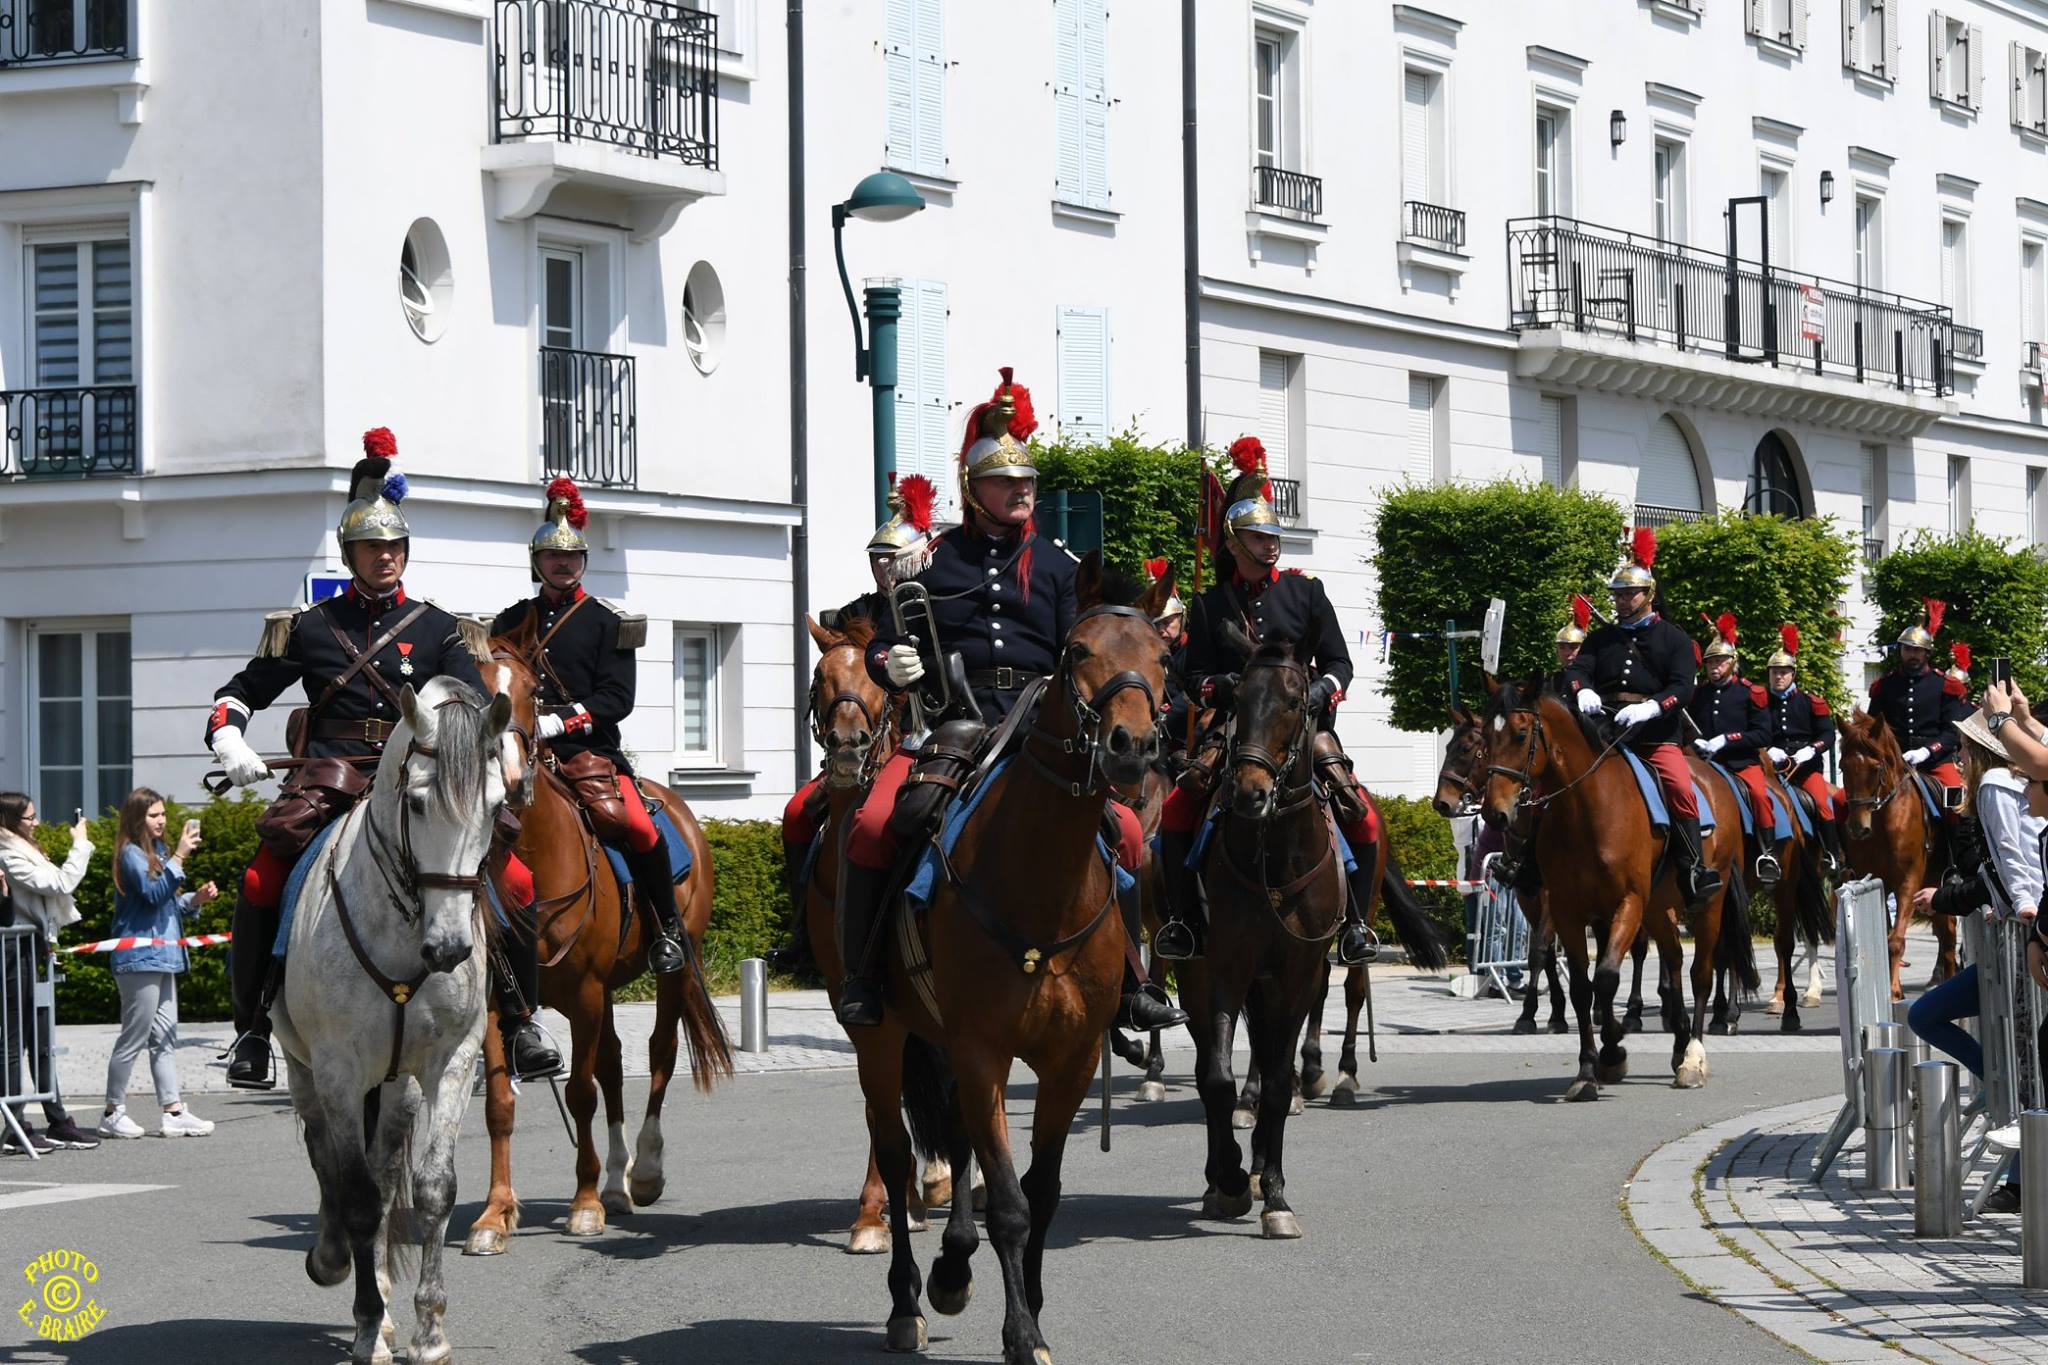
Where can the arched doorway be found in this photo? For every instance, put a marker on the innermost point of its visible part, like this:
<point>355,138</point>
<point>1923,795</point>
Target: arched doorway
<point>1774,488</point>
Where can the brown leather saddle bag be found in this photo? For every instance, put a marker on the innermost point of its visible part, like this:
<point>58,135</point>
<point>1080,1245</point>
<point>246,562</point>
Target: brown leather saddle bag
<point>594,781</point>
<point>314,794</point>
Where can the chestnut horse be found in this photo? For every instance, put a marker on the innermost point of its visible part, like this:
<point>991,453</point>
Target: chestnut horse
<point>1889,835</point>
<point>1025,950</point>
<point>1801,906</point>
<point>586,954</point>
<point>1606,868</point>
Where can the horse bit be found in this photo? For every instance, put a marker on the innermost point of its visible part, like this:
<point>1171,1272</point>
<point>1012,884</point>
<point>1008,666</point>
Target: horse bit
<point>1087,713</point>
<point>871,760</point>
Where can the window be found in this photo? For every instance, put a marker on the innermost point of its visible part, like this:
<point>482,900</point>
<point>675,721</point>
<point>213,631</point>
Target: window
<point>2037,506</point>
<point>1668,483</point>
<point>2029,88</point>
<point>1080,92</point>
<point>1870,37</point>
<point>698,727</point>
<point>1774,184</point>
<point>1955,267</point>
<point>735,26</point>
<point>914,81</point>
<point>1422,136</point>
<point>81,708</point>
<point>1554,440</point>
<point>704,317</point>
<point>1773,482</point>
<point>1781,21</point>
<point>1958,494</point>
<point>925,440</point>
<point>1668,208</point>
<point>561,298</point>
<point>1269,99</point>
<point>2031,297</point>
<point>1876,491</point>
<point>56,29</point>
<point>1428,443</point>
<point>81,334</point>
<point>1083,412</point>
<point>1955,61</point>
<point>1553,162</point>
<point>1281,426</point>
<point>1869,242</point>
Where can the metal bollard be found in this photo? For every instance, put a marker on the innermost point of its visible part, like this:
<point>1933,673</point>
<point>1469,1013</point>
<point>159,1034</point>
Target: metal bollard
<point>1884,1119</point>
<point>1937,1143</point>
<point>2034,1198</point>
<point>1888,1035</point>
<point>753,1005</point>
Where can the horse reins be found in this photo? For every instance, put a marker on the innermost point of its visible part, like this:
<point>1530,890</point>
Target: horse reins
<point>878,730</point>
<point>1291,799</point>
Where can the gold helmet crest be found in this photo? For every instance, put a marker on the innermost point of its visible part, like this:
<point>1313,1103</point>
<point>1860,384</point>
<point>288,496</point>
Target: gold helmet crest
<point>1723,646</point>
<point>905,540</point>
<point>1574,632</point>
<point>1635,571</point>
<point>1787,653</point>
<point>996,443</point>
<point>375,491</point>
<point>1248,505</point>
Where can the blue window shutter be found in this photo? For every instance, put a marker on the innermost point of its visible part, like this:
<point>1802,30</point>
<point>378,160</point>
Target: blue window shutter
<point>929,57</point>
<point>1070,184</point>
<point>1083,412</point>
<point>899,84</point>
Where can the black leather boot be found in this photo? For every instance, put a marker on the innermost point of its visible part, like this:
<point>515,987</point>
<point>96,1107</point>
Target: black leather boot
<point>1831,845</point>
<point>670,951</point>
<point>1144,1006</point>
<point>1179,938</point>
<point>254,978</point>
<point>860,941</point>
<point>1769,871</point>
<point>1699,881</point>
<point>797,956</point>
<point>1356,941</point>
<point>528,1054</point>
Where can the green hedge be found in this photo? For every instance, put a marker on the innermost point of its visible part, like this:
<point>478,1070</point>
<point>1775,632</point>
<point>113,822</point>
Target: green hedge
<point>1766,570</point>
<point>1997,597</point>
<point>1421,843</point>
<point>1151,497</point>
<point>1442,551</point>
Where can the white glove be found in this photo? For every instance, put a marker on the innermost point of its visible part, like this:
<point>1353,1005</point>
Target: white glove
<point>1712,746</point>
<point>549,725</point>
<point>1636,713</point>
<point>243,765</point>
<point>903,666</point>
<point>1777,755</point>
<point>1915,757</point>
<point>1799,759</point>
<point>1589,701</point>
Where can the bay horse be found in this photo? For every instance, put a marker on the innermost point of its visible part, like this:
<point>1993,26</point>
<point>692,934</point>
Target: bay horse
<point>1891,838</point>
<point>380,1065</point>
<point>1605,867</point>
<point>1025,953</point>
<point>589,948</point>
<point>1800,904</point>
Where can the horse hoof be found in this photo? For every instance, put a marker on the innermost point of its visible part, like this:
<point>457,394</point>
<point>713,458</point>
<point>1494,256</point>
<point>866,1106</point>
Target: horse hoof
<point>434,1354</point>
<point>325,1276</point>
<point>616,1201</point>
<point>1242,1119</point>
<point>1217,1204</point>
<point>867,1241</point>
<point>1151,1092</point>
<point>1582,1090</point>
<point>1042,1356</point>
<point>644,1192</point>
<point>1691,1073</point>
<point>1346,1093</point>
<point>1777,1005</point>
<point>1279,1225</point>
<point>584,1222</point>
<point>1257,1188</point>
<point>1790,1023</point>
<point>951,1304</point>
<point>485,1242</point>
<point>1525,1024</point>
<point>1559,1025</point>
<point>1614,1072</point>
<point>907,1334</point>
<point>1632,1023</point>
<point>938,1192</point>
<point>1810,1000</point>
<point>1719,1027</point>
<point>1314,1087</point>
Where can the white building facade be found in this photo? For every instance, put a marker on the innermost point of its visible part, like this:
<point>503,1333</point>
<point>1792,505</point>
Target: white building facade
<point>1462,242</point>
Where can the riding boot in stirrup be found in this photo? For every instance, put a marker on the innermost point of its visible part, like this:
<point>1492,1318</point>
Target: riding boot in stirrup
<point>1700,881</point>
<point>860,940</point>
<point>528,1054</point>
<point>670,951</point>
<point>797,955</point>
<point>1831,844</point>
<point>255,981</point>
<point>1356,942</point>
<point>1144,1006</point>
<point>1769,871</point>
<point>1177,939</point>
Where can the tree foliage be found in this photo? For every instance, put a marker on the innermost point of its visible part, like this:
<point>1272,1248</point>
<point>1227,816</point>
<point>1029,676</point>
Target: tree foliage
<point>1444,550</point>
<point>1151,498</point>
<point>1997,596</point>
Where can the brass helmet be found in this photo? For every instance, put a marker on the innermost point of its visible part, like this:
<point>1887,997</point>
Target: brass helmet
<point>1920,635</point>
<point>374,494</point>
<point>1724,637</point>
<point>1787,653</point>
<point>1635,571</point>
<point>562,521</point>
<point>905,541</point>
<point>1574,632</point>
<point>995,444</point>
<point>1248,506</point>
<point>1959,662</point>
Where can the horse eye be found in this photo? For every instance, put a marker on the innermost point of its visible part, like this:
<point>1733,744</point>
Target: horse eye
<point>418,802</point>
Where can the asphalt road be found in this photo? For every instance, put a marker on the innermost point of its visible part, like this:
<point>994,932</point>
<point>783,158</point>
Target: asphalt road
<point>1458,1214</point>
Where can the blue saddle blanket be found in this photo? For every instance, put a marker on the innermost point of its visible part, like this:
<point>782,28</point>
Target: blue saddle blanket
<point>678,852</point>
<point>295,885</point>
<point>1200,849</point>
<point>1930,794</point>
<point>919,891</point>
<point>1653,795</point>
<point>1781,819</point>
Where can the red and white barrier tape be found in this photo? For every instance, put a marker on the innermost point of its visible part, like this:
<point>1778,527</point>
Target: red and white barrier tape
<point>1453,883</point>
<point>114,945</point>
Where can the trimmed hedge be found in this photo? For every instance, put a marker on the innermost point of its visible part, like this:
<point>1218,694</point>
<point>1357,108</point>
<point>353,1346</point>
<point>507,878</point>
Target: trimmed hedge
<point>1151,497</point>
<point>1997,597</point>
<point>1421,843</point>
<point>1767,570</point>
<point>1442,551</point>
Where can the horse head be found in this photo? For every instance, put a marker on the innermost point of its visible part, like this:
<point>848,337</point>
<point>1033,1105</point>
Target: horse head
<point>1274,731</point>
<point>1112,674</point>
<point>1873,771</point>
<point>439,785</point>
<point>512,677</point>
<point>1457,782</point>
<point>1517,748</point>
<point>851,715</point>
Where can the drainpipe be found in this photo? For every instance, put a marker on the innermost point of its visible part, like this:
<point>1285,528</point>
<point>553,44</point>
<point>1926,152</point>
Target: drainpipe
<point>799,410</point>
<point>1190,205</point>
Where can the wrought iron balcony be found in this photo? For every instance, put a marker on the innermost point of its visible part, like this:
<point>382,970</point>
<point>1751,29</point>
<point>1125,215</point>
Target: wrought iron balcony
<point>1565,274</point>
<point>589,417</point>
<point>638,75</point>
<point>1873,550</point>
<point>1650,514</point>
<point>69,432</point>
<point>1433,224</point>
<point>1968,343</point>
<point>1287,191</point>
<point>42,32</point>
<point>1286,499</point>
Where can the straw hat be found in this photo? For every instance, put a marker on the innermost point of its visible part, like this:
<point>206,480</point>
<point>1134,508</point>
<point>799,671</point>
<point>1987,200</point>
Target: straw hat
<point>1977,729</point>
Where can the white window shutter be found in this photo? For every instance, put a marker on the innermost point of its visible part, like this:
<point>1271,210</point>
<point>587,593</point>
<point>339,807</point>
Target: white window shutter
<point>930,61</point>
<point>1760,17</point>
<point>1083,411</point>
<point>1069,179</point>
<point>1798,17</point>
<point>1421,428</point>
<point>899,83</point>
<point>1973,81</point>
<point>1891,40</point>
<point>1948,263</point>
<point>1094,53</point>
<point>1668,477</point>
<point>1415,135</point>
<point>1937,38</point>
<point>1550,439</point>
<point>1850,53</point>
<point>1276,424</point>
<point>2016,61</point>
<point>936,446</point>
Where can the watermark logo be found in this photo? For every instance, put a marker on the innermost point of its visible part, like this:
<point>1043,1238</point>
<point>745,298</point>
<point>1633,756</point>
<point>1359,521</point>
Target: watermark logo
<point>63,1308</point>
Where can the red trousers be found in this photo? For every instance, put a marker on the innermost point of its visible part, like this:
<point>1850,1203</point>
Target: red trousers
<point>798,828</point>
<point>871,844</point>
<point>1759,795</point>
<point>1946,773</point>
<point>263,882</point>
<point>1816,786</point>
<point>1668,762</point>
<point>1183,811</point>
<point>641,837</point>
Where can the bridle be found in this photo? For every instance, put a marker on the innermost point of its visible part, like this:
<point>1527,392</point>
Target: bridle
<point>1278,767</point>
<point>402,876</point>
<point>1537,739</point>
<point>1874,804</point>
<point>1087,713</point>
<point>1468,793</point>
<point>878,732</point>
<point>1289,799</point>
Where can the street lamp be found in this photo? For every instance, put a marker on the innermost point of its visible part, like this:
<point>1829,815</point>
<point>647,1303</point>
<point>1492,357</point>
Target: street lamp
<point>882,197</point>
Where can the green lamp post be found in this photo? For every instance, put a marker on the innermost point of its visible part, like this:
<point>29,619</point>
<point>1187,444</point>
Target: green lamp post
<point>882,197</point>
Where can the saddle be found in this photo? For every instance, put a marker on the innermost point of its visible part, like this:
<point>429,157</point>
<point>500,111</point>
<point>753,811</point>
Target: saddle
<point>593,781</point>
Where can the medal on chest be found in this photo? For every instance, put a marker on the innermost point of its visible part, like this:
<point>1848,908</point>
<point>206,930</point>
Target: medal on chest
<point>405,658</point>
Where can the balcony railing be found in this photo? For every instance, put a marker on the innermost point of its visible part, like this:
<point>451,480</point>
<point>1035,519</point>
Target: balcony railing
<point>1286,498</point>
<point>1567,274</point>
<point>40,32</point>
<point>1968,343</point>
<point>1650,514</point>
<point>1873,550</point>
<point>588,417</point>
<point>1288,191</point>
<point>638,75</point>
<point>72,432</point>
<point>1433,224</point>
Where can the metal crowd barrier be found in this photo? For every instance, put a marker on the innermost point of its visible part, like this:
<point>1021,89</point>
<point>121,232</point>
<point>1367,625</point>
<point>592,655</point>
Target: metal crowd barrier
<point>1863,995</point>
<point>2010,1010</point>
<point>1500,933</point>
<point>28,1027</point>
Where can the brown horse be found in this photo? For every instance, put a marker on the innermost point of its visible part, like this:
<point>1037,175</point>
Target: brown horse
<point>1800,903</point>
<point>1605,868</point>
<point>587,951</point>
<point>1025,950</point>
<point>1890,836</point>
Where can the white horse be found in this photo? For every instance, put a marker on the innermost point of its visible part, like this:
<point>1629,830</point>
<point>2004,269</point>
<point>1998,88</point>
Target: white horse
<point>382,1009</point>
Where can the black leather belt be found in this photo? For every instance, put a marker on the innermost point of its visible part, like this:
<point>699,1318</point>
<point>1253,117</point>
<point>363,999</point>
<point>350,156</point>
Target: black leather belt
<point>1001,679</point>
<point>366,730</point>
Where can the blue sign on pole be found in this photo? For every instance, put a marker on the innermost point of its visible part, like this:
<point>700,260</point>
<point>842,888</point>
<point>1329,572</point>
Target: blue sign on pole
<point>321,586</point>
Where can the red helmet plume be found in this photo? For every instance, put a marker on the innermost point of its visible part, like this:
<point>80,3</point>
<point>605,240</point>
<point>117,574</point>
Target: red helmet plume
<point>1582,611</point>
<point>1155,569</point>
<point>1960,653</point>
<point>563,489</point>
<point>919,496</point>
<point>1248,454</point>
<point>1788,636</point>
<point>1724,626</point>
<point>379,442</point>
<point>1023,420</point>
<point>1644,546</point>
<point>1936,609</point>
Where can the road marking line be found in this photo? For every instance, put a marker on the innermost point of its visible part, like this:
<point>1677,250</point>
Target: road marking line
<point>40,1192</point>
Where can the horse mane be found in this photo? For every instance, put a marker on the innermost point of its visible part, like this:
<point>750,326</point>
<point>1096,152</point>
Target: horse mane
<point>461,748</point>
<point>1530,694</point>
<point>1871,735</point>
<point>1275,647</point>
<point>858,632</point>
<point>1119,589</point>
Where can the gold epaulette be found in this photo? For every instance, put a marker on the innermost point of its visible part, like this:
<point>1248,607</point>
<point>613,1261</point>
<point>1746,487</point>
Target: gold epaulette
<point>475,637</point>
<point>632,625</point>
<point>277,633</point>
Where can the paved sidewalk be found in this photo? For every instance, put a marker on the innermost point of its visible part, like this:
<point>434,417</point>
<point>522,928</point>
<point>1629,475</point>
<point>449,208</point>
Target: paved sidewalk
<point>1830,1269</point>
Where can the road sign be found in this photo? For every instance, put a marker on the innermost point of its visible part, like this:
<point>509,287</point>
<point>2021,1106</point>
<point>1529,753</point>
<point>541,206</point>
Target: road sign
<point>321,585</point>
<point>1489,635</point>
<point>1813,313</point>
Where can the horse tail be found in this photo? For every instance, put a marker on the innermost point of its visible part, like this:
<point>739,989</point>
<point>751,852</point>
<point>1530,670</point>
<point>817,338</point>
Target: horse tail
<point>1810,905</point>
<point>927,1096</point>
<point>1734,948</point>
<point>703,1029</point>
<point>1412,924</point>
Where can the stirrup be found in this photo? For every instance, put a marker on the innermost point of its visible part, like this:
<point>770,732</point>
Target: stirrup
<point>1702,882</point>
<point>1769,872</point>
<point>1148,1008</point>
<point>1357,943</point>
<point>1175,942</point>
<point>529,1055</point>
<point>666,955</point>
<point>249,1068</point>
<point>860,1003</point>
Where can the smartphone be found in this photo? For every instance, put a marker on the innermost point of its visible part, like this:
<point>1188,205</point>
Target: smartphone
<point>192,827</point>
<point>77,814</point>
<point>1951,798</point>
<point>2000,670</point>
